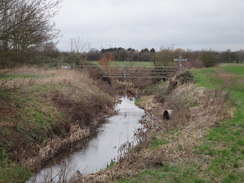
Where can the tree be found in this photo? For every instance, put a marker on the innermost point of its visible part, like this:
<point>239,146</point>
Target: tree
<point>26,24</point>
<point>164,56</point>
<point>240,56</point>
<point>209,58</point>
<point>106,59</point>
<point>145,50</point>
<point>152,50</point>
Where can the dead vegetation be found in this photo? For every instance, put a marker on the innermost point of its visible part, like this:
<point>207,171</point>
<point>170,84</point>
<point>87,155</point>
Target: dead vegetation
<point>195,110</point>
<point>38,155</point>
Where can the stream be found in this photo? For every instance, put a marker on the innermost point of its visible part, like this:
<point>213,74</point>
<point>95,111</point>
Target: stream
<point>101,150</point>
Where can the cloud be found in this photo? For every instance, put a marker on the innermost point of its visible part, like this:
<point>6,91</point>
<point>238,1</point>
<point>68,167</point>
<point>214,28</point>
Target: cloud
<point>195,24</point>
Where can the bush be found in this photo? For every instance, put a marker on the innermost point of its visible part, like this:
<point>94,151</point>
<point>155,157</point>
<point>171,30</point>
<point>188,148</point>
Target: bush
<point>209,58</point>
<point>185,77</point>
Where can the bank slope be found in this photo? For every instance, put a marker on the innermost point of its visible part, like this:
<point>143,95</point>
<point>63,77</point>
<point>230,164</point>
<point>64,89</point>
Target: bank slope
<point>205,153</point>
<point>43,112</point>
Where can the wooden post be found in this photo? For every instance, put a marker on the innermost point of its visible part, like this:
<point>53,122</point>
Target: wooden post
<point>125,71</point>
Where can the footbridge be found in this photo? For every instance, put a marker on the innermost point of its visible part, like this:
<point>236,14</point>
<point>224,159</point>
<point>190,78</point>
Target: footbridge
<point>163,72</point>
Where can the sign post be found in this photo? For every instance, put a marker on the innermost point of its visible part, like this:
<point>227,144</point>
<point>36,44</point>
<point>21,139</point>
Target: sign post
<point>180,60</point>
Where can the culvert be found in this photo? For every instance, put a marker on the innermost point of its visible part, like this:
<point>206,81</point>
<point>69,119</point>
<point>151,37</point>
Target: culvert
<point>167,114</point>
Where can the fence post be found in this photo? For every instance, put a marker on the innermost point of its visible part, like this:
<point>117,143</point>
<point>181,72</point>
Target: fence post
<point>125,71</point>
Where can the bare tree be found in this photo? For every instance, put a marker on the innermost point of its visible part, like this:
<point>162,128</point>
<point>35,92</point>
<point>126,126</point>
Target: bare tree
<point>77,46</point>
<point>26,24</point>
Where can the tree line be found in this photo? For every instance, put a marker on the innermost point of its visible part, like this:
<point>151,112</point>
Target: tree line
<point>202,58</point>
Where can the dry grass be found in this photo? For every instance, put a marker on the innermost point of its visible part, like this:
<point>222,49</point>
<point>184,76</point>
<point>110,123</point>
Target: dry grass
<point>47,150</point>
<point>126,86</point>
<point>48,111</point>
<point>39,76</point>
<point>211,108</point>
<point>195,111</point>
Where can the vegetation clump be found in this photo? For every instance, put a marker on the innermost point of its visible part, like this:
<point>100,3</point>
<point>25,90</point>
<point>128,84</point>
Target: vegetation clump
<point>185,77</point>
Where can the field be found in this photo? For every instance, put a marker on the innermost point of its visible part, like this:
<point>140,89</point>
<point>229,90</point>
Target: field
<point>127,64</point>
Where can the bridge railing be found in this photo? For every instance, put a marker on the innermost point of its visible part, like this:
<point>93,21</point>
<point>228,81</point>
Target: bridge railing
<point>134,72</point>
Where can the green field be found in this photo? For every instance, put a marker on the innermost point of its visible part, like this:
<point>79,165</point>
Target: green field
<point>127,63</point>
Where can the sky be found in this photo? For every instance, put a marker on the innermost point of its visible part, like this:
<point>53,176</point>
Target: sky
<point>138,24</point>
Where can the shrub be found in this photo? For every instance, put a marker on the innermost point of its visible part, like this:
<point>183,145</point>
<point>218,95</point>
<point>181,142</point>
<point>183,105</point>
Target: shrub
<point>185,77</point>
<point>209,58</point>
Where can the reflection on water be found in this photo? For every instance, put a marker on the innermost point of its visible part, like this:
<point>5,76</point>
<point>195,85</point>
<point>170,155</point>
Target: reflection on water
<point>103,148</point>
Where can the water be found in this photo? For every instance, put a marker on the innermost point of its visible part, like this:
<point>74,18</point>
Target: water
<point>103,148</point>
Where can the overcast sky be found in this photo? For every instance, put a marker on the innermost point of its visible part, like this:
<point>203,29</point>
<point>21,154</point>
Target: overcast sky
<point>187,24</point>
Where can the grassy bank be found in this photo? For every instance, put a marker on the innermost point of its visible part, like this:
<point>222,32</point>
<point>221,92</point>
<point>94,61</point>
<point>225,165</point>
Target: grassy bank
<point>217,155</point>
<point>42,108</point>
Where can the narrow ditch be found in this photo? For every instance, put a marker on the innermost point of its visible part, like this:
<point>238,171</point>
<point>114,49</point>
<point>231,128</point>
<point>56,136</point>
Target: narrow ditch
<point>101,150</point>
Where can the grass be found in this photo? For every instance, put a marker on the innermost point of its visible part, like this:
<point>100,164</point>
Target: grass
<point>227,139</point>
<point>206,78</point>
<point>128,63</point>
<point>156,143</point>
<point>235,69</point>
<point>14,76</point>
<point>14,174</point>
<point>224,143</point>
<point>167,173</point>
<point>11,173</point>
<point>218,155</point>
